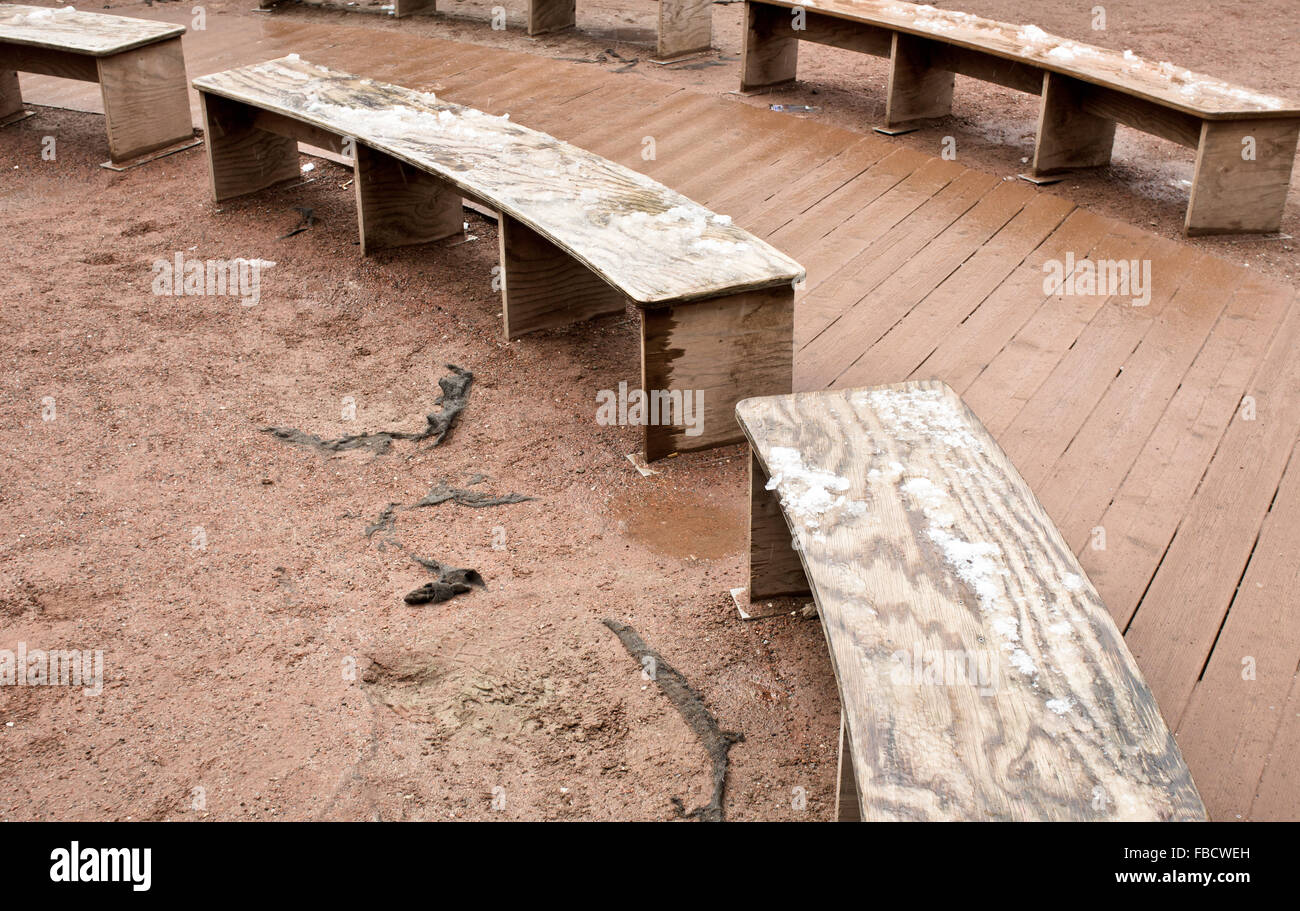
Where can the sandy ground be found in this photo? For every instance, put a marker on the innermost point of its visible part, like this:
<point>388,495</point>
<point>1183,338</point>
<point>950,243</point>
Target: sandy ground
<point>259,660</point>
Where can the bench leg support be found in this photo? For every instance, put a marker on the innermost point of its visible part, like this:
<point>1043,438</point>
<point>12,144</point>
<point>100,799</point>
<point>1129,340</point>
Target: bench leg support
<point>848,807</point>
<point>404,8</point>
<point>1243,171</point>
<point>543,287</point>
<point>551,15</point>
<point>721,350</point>
<point>685,26</point>
<point>241,158</point>
<point>1068,136</point>
<point>770,53</point>
<point>917,91</point>
<point>11,95</point>
<point>398,205</point>
<point>775,570</point>
<point>146,99</point>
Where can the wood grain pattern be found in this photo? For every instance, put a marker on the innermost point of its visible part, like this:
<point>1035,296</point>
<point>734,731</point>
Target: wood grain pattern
<point>654,245</point>
<point>85,33</point>
<point>980,674</point>
<point>146,102</point>
<point>551,15</point>
<point>1194,93</point>
<point>1230,193</point>
<point>775,570</point>
<point>241,157</point>
<point>847,801</point>
<point>770,53</point>
<point>47,62</point>
<point>543,287</point>
<point>11,94</point>
<point>725,348</point>
<point>916,90</point>
<point>1068,136</point>
<point>685,27</point>
<point>398,205</point>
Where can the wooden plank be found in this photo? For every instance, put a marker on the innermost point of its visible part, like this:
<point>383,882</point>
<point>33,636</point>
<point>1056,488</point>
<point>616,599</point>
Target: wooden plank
<point>241,158</point>
<point>1144,515</point>
<point>543,287</point>
<point>1171,86</point>
<point>775,570</point>
<point>868,247</point>
<point>146,100</point>
<point>1088,474</point>
<point>551,15</point>
<point>1231,193</point>
<point>769,52</point>
<point>68,29</point>
<point>1106,348</point>
<point>685,27</point>
<point>1184,606</point>
<point>398,205</point>
<point>881,305</point>
<point>917,90</point>
<point>46,62</point>
<point>1068,136</point>
<point>911,340</point>
<point>1232,725</point>
<point>11,94</point>
<point>980,673</point>
<point>1278,799</point>
<point>655,245</point>
<point>721,350</point>
<point>966,351</point>
<point>847,805</point>
<point>849,36</point>
<point>1015,373</point>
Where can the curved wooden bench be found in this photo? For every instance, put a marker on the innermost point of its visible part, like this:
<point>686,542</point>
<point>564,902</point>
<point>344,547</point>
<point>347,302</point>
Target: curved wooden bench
<point>580,235</point>
<point>980,674</point>
<point>1085,91</point>
<point>138,64</point>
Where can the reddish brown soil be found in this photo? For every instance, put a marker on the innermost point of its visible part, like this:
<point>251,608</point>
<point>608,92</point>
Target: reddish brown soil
<point>229,668</point>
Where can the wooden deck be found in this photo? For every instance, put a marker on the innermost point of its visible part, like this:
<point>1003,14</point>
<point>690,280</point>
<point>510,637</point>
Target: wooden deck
<point>1126,421</point>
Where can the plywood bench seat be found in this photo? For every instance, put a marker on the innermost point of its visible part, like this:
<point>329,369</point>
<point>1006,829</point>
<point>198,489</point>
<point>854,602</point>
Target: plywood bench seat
<point>580,235</point>
<point>1245,141</point>
<point>980,675</point>
<point>138,64</point>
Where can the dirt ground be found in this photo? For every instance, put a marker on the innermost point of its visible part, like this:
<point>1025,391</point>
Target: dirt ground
<point>259,660</point>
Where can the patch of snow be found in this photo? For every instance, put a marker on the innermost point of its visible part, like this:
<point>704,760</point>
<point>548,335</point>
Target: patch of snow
<point>808,494</point>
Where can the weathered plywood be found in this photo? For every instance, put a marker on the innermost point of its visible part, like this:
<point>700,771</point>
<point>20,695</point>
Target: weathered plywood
<point>543,287</point>
<point>398,205</point>
<point>917,89</point>
<point>1068,136</point>
<point>721,351</point>
<point>1181,89</point>
<point>685,26</point>
<point>11,94</point>
<point>84,33</point>
<point>1233,192</point>
<point>980,674</point>
<point>770,53</point>
<point>551,15</point>
<point>146,104</point>
<point>654,245</point>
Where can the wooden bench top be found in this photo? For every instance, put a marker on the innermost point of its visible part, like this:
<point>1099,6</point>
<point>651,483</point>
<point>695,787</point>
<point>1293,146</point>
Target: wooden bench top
<point>1163,83</point>
<point>67,29</point>
<point>923,545</point>
<point>654,245</point>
